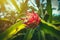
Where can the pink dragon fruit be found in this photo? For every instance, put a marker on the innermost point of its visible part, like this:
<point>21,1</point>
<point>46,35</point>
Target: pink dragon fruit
<point>32,19</point>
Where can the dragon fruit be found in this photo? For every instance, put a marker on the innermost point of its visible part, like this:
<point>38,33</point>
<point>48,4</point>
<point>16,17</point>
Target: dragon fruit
<point>31,20</point>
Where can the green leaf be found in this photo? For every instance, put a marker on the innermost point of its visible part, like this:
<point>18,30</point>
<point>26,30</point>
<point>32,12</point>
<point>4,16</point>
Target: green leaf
<point>24,6</point>
<point>29,34</point>
<point>49,10</point>
<point>48,28</point>
<point>12,30</point>
<point>15,5</point>
<point>50,25</point>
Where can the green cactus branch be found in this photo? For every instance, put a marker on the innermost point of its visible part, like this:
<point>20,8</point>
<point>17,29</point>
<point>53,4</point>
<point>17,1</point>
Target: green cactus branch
<point>50,25</point>
<point>50,29</point>
<point>49,10</point>
<point>12,31</point>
